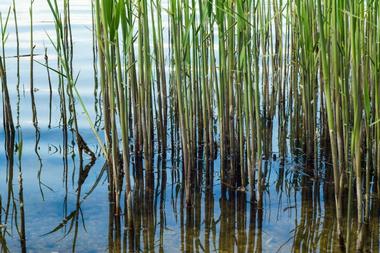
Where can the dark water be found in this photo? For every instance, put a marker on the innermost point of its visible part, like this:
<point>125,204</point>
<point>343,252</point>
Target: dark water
<point>297,213</point>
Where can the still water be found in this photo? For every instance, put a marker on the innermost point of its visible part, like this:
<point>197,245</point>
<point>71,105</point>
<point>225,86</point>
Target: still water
<point>62,214</point>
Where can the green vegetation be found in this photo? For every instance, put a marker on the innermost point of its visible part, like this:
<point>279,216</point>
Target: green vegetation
<point>241,63</point>
<point>212,77</point>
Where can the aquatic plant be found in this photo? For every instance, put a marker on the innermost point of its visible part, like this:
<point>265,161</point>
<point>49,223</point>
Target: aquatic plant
<point>209,79</point>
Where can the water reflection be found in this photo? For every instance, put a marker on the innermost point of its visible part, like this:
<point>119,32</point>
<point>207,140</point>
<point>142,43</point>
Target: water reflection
<point>230,222</point>
<point>296,215</point>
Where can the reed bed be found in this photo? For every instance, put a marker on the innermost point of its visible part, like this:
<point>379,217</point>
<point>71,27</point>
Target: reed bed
<point>234,66</point>
<point>209,79</point>
<point>223,70</point>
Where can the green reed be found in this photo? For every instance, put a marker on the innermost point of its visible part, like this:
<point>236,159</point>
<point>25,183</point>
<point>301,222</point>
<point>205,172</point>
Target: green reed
<point>219,74</point>
<point>114,44</point>
<point>350,39</point>
<point>247,72</point>
<point>330,114</point>
<point>376,67</point>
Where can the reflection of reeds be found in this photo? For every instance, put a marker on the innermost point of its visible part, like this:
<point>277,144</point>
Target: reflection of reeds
<point>21,229</point>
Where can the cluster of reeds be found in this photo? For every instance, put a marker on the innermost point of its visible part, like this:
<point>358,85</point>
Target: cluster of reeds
<point>220,72</point>
<point>349,51</point>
